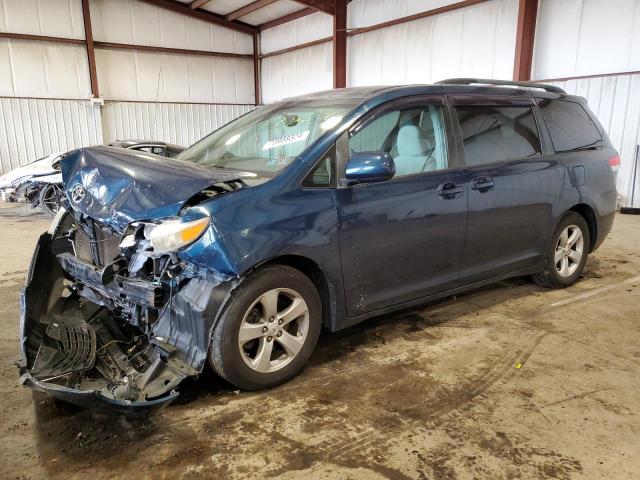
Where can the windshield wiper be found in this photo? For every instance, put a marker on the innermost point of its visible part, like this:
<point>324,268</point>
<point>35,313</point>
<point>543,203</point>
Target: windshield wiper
<point>591,146</point>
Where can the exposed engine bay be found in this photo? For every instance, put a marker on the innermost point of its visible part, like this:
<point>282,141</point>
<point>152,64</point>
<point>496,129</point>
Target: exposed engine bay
<point>105,313</point>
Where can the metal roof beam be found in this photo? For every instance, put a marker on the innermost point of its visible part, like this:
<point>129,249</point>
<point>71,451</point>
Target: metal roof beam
<point>250,8</point>
<point>198,3</point>
<point>203,15</point>
<point>325,6</point>
<point>287,18</point>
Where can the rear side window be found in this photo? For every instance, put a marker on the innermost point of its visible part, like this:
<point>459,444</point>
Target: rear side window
<point>570,126</point>
<point>496,133</point>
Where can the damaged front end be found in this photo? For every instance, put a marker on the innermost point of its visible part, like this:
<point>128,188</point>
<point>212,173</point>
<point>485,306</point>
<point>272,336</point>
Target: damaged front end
<point>107,315</point>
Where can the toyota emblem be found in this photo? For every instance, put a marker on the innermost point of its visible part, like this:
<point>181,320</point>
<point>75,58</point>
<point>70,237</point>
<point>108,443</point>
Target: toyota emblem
<point>78,193</point>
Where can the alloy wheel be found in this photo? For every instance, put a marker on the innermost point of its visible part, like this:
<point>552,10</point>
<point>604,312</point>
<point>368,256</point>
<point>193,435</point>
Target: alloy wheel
<point>569,251</point>
<point>51,198</point>
<point>273,330</point>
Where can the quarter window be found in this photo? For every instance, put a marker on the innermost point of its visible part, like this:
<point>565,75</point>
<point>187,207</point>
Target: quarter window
<point>323,173</point>
<point>495,133</point>
<point>570,126</point>
<point>415,138</point>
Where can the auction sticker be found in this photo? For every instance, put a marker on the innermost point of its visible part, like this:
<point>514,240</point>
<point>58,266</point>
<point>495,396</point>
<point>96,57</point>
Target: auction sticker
<point>287,139</point>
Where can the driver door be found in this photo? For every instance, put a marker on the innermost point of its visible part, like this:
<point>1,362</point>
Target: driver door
<point>403,238</point>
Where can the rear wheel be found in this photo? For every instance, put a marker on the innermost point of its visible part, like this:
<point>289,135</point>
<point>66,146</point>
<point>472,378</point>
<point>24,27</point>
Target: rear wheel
<point>567,254</point>
<point>268,329</point>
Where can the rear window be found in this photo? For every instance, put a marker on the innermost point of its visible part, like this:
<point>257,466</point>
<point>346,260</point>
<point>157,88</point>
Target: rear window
<point>497,133</point>
<point>570,126</point>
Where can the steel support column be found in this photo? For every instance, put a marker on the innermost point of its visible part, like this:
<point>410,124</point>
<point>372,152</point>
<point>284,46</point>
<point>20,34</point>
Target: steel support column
<point>525,38</point>
<point>340,44</point>
<point>91,54</point>
<point>256,67</point>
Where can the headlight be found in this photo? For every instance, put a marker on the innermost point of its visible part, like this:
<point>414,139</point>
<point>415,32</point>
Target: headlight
<point>173,234</point>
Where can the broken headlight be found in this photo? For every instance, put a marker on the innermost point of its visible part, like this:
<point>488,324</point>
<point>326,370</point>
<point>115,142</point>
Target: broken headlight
<point>173,234</point>
<point>170,234</point>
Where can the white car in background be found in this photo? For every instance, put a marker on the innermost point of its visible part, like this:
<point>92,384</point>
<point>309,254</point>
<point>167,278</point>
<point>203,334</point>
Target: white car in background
<point>42,166</point>
<point>40,182</point>
<point>35,182</point>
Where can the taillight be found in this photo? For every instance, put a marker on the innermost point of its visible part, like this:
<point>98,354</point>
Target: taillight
<point>614,163</point>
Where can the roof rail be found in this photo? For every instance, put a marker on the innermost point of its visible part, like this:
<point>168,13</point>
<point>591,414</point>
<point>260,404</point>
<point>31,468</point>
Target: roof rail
<point>484,81</point>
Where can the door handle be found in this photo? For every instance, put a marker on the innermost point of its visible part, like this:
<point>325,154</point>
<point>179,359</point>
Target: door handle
<point>482,183</point>
<point>449,190</point>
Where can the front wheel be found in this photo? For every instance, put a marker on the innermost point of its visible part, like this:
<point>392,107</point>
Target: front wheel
<point>50,196</point>
<point>567,254</point>
<point>268,330</point>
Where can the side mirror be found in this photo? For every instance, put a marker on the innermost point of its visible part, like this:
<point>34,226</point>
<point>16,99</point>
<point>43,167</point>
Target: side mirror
<point>368,167</point>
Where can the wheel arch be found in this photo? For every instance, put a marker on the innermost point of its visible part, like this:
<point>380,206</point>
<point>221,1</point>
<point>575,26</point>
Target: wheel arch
<point>317,276</point>
<point>589,215</point>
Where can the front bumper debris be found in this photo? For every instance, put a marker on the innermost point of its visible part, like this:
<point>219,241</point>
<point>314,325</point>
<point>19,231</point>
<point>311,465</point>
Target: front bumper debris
<point>91,334</point>
<point>92,398</point>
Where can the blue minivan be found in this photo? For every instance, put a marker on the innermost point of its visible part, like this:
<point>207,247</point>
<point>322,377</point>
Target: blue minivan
<point>318,211</point>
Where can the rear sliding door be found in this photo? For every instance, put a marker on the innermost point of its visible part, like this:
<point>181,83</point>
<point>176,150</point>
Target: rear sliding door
<point>512,184</point>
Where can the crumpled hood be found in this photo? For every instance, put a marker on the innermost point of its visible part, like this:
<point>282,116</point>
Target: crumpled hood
<point>116,186</point>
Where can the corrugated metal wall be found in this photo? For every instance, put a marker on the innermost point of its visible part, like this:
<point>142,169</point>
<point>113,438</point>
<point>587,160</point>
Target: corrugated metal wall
<point>33,128</point>
<point>297,72</point>
<point>302,71</point>
<point>586,37</point>
<point>182,124</point>
<point>43,70</point>
<point>140,23</point>
<point>592,37</point>
<point>54,18</point>
<point>573,38</point>
<point>162,77</point>
<point>303,30</point>
<point>173,78</point>
<point>52,79</point>
<point>476,41</point>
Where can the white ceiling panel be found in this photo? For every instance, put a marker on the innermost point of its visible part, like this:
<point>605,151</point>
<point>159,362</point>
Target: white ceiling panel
<point>273,11</point>
<point>225,7</point>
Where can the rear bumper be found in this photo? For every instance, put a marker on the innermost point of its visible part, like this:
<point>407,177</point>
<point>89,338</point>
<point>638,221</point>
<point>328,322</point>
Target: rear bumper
<point>604,224</point>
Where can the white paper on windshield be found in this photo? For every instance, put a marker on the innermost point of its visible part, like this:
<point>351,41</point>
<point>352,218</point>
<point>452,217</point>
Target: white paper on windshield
<point>287,139</point>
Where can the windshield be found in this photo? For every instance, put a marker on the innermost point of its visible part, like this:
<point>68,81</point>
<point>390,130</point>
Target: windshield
<point>268,139</point>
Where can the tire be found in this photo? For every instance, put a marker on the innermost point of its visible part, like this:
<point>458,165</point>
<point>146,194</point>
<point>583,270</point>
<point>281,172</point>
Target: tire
<point>243,361</point>
<point>563,266</point>
<point>49,199</point>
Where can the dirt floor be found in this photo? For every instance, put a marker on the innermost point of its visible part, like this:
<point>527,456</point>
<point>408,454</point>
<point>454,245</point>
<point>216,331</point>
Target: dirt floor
<point>511,381</point>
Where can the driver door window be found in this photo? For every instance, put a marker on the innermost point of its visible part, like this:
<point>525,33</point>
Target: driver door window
<point>414,137</point>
